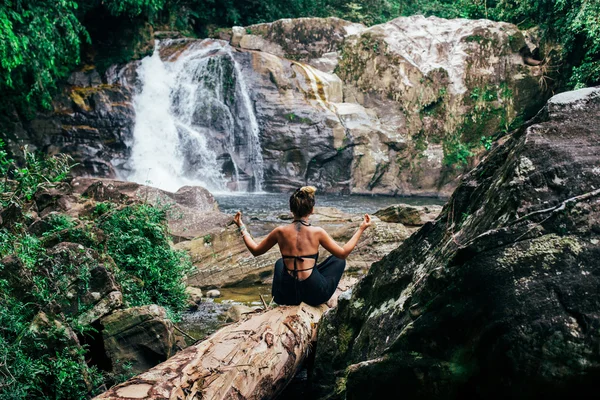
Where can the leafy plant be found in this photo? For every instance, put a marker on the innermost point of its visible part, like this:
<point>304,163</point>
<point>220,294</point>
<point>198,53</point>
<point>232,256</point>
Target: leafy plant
<point>486,142</point>
<point>456,153</point>
<point>150,271</point>
<point>38,173</point>
<point>38,356</point>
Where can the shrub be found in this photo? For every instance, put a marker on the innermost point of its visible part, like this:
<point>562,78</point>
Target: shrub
<point>150,271</point>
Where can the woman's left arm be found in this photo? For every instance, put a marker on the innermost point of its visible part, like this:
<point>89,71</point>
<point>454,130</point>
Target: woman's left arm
<point>263,246</point>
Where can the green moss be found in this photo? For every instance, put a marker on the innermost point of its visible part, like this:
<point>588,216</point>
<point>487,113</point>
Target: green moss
<point>340,385</point>
<point>543,250</point>
<point>345,336</point>
<point>294,118</point>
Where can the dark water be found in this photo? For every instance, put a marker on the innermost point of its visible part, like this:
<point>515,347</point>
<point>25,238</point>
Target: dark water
<point>268,206</point>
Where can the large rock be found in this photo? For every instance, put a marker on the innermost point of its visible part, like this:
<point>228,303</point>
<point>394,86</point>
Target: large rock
<point>418,95</point>
<point>90,121</point>
<point>315,41</point>
<point>222,259</point>
<point>437,86</point>
<point>191,210</point>
<point>497,298</point>
<point>408,215</point>
<point>140,337</point>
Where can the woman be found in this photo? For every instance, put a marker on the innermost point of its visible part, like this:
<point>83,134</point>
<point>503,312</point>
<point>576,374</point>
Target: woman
<point>297,276</point>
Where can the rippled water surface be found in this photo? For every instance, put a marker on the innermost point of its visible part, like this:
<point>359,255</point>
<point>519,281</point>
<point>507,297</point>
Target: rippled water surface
<point>269,205</point>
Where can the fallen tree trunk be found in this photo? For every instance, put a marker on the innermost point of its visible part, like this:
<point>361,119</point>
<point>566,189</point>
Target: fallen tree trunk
<point>252,359</point>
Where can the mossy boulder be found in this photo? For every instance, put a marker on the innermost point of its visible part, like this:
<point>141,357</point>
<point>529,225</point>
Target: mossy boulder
<point>498,297</point>
<point>138,338</point>
<point>309,40</point>
<point>408,215</point>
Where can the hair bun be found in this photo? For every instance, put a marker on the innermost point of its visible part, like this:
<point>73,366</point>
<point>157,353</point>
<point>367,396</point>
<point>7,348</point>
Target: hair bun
<point>309,190</point>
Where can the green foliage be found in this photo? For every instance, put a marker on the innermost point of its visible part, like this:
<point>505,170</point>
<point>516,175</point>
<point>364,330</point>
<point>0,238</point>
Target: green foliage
<point>102,208</point>
<point>39,359</point>
<point>456,153</point>
<point>134,7</point>
<point>486,142</point>
<point>38,173</point>
<point>149,270</point>
<point>39,44</point>
<point>60,222</point>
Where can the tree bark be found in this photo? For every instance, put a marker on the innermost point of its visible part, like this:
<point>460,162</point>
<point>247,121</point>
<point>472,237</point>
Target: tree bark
<point>252,359</point>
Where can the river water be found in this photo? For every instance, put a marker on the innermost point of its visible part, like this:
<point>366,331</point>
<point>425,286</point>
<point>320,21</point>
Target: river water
<point>268,206</point>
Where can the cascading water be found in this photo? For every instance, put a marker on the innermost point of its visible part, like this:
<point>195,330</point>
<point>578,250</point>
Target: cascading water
<point>195,122</point>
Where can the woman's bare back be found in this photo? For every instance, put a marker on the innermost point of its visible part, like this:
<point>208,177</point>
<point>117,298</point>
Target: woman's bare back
<point>297,239</point>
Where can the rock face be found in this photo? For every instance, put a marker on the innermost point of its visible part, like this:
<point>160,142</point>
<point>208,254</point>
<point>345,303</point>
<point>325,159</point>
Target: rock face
<point>191,210</point>
<point>416,96</point>
<point>498,298</point>
<point>91,121</point>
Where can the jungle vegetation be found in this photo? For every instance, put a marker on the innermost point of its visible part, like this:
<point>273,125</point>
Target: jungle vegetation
<point>42,41</point>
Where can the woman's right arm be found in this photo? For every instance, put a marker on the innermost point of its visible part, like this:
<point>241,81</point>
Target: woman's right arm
<point>342,252</point>
<point>260,248</point>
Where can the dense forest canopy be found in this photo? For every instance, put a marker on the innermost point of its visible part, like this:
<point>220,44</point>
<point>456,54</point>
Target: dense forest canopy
<point>41,41</point>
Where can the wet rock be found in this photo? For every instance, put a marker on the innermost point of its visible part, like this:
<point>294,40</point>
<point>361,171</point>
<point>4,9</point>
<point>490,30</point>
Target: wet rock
<point>408,215</point>
<point>90,121</point>
<point>194,296</point>
<point>140,336</point>
<point>214,293</point>
<point>237,312</point>
<point>497,298</point>
<point>85,78</point>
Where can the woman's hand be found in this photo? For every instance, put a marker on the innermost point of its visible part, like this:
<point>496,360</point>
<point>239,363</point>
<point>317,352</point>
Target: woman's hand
<point>366,222</point>
<point>238,219</point>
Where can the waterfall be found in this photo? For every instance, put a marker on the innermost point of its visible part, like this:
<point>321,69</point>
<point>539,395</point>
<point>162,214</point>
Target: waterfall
<point>254,130</point>
<point>195,122</point>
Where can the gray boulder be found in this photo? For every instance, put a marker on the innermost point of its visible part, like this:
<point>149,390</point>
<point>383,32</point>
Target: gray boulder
<point>140,337</point>
<point>408,215</point>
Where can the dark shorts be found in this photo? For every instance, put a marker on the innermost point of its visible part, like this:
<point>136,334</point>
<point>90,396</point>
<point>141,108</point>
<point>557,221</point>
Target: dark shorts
<point>314,290</point>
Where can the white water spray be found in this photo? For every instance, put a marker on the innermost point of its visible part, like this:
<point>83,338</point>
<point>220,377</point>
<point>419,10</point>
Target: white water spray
<point>191,116</point>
